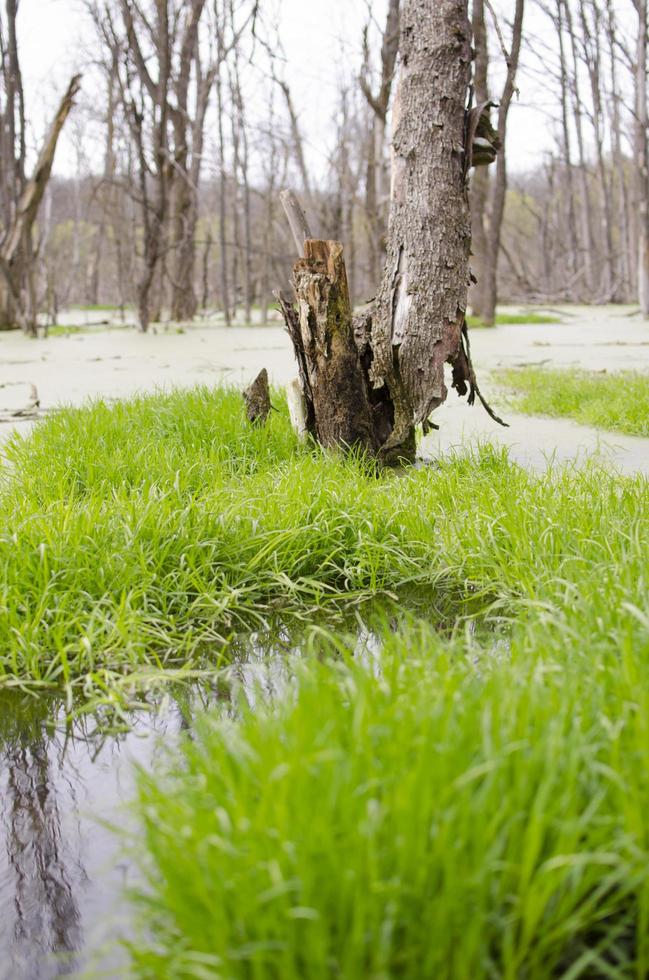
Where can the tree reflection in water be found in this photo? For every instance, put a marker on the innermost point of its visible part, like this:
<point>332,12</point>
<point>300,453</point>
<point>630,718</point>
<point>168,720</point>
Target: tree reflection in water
<point>61,868</point>
<point>46,866</point>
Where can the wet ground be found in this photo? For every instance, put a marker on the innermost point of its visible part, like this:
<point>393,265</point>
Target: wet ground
<point>114,363</point>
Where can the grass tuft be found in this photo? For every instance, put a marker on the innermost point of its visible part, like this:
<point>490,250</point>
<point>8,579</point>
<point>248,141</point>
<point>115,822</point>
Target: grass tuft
<point>514,319</point>
<point>455,804</point>
<point>143,536</point>
<point>447,811</point>
<point>618,401</point>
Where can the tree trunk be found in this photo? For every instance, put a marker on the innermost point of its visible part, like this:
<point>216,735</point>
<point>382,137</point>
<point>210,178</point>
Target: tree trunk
<point>567,152</point>
<point>422,300</point>
<point>370,386</point>
<point>586,209</point>
<point>16,251</point>
<point>225,296</point>
<point>479,193</point>
<point>489,293</point>
<point>618,155</point>
<point>376,194</point>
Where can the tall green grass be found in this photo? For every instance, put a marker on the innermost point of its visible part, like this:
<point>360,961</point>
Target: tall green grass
<point>458,805</point>
<point>618,401</point>
<point>142,536</point>
<point>449,811</point>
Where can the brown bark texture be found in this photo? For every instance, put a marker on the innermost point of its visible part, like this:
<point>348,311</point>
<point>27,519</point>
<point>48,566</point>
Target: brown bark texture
<point>256,398</point>
<point>479,193</point>
<point>333,382</point>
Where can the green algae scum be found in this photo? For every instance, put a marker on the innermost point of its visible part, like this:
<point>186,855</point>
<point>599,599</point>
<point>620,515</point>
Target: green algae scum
<point>436,765</point>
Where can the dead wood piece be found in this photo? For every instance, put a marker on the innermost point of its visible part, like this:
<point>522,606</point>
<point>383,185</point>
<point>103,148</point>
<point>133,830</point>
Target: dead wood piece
<point>297,408</point>
<point>464,374</point>
<point>257,399</point>
<point>35,187</point>
<point>292,322</point>
<point>30,410</point>
<point>482,143</point>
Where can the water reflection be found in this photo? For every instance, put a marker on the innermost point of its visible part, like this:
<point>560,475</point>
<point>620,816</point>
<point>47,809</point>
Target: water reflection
<point>62,870</point>
<point>44,870</point>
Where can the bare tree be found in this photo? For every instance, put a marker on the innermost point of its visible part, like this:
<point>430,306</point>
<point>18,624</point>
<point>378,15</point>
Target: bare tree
<point>376,192</point>
<point>494,200</point>
<point>642,157</point>
<point>21,196</point>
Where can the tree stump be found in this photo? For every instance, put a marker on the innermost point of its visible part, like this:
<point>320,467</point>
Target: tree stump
<point>332,375</point>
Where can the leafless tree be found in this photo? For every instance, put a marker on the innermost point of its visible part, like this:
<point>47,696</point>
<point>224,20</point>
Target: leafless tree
<point>20,195</point>
<point>492,196</point>
<point>370,381</point>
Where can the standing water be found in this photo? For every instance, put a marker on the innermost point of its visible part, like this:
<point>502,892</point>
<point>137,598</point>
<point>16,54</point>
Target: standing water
<point>63,869</point>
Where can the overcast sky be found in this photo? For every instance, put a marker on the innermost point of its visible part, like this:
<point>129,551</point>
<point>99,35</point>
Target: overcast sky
<point>317,36</point>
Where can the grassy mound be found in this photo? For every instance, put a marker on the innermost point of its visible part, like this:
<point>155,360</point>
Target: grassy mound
<point>618,401</point>
<point>459,805</point>
<point>141,537</point>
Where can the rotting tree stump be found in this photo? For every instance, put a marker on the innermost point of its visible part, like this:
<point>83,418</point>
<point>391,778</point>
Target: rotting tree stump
<point>340,406</point>
<point>321,328</point>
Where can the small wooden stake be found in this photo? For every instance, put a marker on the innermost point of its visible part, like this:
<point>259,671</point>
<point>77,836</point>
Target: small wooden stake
<point>257,399</point>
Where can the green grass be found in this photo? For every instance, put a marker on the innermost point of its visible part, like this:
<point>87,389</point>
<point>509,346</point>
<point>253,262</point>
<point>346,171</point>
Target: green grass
<point>509,319</point>
<point>618,401</point>
<point>451,813</point>
<point>99,307</point>
<point>62,329</point>
<point>141,537</point>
